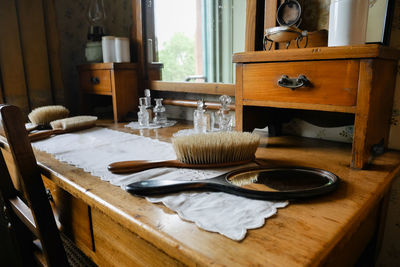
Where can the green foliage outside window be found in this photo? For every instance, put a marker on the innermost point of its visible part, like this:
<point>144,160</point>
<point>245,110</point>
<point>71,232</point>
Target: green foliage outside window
<point>178,57</point>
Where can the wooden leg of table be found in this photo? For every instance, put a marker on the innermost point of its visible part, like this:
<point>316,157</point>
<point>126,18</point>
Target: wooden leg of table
<point>124,93</point>
<point>239,97</point>
<point>374,106</point>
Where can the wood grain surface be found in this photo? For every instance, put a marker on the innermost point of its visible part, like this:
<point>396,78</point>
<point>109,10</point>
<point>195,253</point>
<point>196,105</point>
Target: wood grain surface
<point>35,53</point>
<point>125,96</point>
<point>198,88</point>
<point>311,232</point>
<point>352,79</point>
<point>119,80</point>
<point>96,81</point>
<point>11,58</point>
<point>331,82</point>
<point>317,53</point>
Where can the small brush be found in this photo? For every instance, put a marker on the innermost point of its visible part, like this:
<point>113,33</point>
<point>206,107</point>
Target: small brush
<point>42,116</point>
<point>200,151</point>
<point>67,125</point>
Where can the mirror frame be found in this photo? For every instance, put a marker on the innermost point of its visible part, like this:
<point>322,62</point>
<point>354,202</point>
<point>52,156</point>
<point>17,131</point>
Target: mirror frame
<point>149,73</point>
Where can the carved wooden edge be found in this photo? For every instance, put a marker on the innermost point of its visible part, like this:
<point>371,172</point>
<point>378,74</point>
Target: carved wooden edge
<point>317,53</point>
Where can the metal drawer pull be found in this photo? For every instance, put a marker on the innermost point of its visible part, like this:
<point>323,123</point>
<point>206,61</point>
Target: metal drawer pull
<point>293,83</point>
<point>94,80</point>
<point>49,195</point>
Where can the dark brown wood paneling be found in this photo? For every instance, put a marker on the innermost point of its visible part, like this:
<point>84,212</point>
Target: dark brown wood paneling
<point>53,48</point>
<point>11,58</point>
<point>34,52</point>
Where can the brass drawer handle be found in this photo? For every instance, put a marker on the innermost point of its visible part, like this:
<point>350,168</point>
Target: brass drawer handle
<point>293,83</point>
<point>94,80</point>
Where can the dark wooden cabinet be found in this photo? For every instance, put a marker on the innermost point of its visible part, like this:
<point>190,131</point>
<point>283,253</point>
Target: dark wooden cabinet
<point>353,80</point>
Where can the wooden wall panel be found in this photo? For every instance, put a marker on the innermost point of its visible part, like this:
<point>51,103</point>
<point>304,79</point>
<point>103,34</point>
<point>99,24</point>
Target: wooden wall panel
<point>250,25</point>
<point>34,51</point>
<point>53,48</point>
<point>271,7</point>
<point>30,70</point>
<point>1,88</point>
<point>11,58</point>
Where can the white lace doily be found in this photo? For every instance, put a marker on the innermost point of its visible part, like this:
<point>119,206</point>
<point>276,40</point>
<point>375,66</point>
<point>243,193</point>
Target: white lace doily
<point>94,149</point>
<point>135,125</point>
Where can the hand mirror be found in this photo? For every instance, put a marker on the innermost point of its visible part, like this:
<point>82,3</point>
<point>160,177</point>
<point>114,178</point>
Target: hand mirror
<point>256,182</point>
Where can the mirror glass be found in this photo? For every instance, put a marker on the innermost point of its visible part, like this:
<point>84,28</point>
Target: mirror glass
<point>195,39</point>
<point>281,179</point>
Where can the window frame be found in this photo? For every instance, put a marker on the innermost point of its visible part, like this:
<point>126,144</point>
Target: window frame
<point>149,73</point>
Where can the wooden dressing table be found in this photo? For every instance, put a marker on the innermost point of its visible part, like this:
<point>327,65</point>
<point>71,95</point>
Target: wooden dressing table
<point>118,229</point>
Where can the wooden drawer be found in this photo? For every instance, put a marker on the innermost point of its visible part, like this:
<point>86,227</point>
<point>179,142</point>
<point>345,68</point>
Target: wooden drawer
<point>96,81</point>
<point>117,246</point>
<point>73,215</point>
<point>333,82</point>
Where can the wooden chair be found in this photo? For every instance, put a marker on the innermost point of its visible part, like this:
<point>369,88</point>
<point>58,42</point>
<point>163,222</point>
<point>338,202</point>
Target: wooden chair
<point>28,209</point>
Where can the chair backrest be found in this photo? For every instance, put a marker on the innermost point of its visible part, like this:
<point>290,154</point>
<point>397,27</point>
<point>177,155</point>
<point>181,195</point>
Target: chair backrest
<point>35,212</point>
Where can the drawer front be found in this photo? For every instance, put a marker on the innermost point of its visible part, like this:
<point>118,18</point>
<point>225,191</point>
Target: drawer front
<point>73,215</point>
<point>330,82</point>
<point>96,81</point>
<point>117,246</point>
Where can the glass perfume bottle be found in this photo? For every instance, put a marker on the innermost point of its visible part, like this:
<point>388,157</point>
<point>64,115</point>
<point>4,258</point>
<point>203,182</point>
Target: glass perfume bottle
<point>223,117</point>
<point>148,104</point>
<point>201,118</point>
<point>160,117</point>
<point>143,114</point>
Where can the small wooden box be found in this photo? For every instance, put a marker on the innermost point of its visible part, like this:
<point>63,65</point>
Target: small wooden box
<point>354,80</point>
<point>118,80</point>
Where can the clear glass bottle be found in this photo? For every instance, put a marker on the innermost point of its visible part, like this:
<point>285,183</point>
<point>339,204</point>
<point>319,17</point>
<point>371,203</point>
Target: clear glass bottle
<point>201,118</point>
<point>148,103</point>
<point>160,117</point>
<point>223,117</point>
<point>143,114</point>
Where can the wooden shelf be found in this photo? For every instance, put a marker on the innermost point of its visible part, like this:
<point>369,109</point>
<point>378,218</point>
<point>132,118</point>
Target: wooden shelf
<point>332,108</point>
<point>319,53</point>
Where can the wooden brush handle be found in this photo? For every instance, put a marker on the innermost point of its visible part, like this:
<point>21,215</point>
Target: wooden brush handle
<point>141,165</point>
<point>44,134</point>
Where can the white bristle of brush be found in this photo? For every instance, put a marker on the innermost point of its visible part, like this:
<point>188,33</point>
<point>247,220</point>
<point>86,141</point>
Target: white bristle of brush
<point>46,114</point>
<point>74,122</point>
<point>218,147</point>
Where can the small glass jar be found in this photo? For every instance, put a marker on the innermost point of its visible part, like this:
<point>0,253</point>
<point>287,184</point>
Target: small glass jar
<point>201,118</point>
<point>223,117</point>
<point>143,114</point>
<point>160,118</point>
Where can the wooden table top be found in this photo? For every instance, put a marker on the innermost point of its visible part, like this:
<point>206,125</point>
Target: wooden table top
<point>304,233</point>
